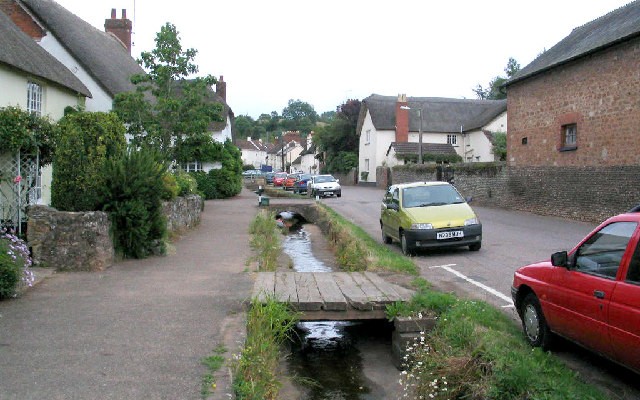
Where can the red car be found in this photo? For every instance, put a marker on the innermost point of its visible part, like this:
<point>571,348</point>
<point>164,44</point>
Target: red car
<point>590,295</point>
<point>290,180</point>
<point>278,178</point>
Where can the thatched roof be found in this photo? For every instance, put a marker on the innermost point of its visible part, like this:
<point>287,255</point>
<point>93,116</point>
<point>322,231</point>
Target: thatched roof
<point>407,148</point>
<point>100,53</point>
<point>618,26</point>
<point>439,115</point>
<point>20,51</point>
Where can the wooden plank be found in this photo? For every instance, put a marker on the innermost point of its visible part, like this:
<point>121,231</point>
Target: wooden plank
<point>332,298</point>
<point>356,297</point>
<point>347,315</point>
<point>286,287</point>
<point>373,293</point>
<point>393,292</point>
<point>309,298</point>
<point>264,286</point>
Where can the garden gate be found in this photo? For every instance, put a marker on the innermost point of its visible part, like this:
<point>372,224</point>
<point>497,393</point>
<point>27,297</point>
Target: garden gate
<point>19,188</point>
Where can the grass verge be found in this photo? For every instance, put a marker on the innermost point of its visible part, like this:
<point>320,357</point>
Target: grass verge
<point>477,352</point>
<point>265,241</point>
<point>269,324</point>
<point>356,250</point>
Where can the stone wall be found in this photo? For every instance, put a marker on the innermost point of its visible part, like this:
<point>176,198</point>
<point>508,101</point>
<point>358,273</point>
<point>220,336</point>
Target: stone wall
<point>77,241</point>
<point>183,213</point>
<point>589,194</point>
<point>80,241</point>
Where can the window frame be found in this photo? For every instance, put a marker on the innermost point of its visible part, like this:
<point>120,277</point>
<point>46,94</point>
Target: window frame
<point>452,139</point>
<point>35,98</point>
<point>569,131</point>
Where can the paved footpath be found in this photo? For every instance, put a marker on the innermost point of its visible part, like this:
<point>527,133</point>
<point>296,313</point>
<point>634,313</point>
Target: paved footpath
<point>139,329</point>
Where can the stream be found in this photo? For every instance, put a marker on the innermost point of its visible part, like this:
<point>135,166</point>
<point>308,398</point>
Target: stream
<point>333,360</point>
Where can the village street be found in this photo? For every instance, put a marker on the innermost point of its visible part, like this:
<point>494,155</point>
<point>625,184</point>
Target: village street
<point>511,239</point>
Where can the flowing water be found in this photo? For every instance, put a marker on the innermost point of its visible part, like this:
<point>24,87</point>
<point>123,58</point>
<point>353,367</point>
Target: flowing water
<point>344,360</point>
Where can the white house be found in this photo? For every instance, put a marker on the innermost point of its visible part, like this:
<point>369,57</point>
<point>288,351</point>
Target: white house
<point>307,161</point>
<point>254,152</point>
<point>33,80</point>
<point>285,151</point>
<point>447,125</point>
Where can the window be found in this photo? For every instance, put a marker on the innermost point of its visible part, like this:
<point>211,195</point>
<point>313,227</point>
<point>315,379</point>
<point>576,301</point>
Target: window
<point>452,139</point>
<point>569,137</point>
<point>368,137</point>
<point>366,164</point>
<point>602,253</point>
<point>633,274</point>
<point>193,166</point>
<point>525,140</point>
<point>34,98</point>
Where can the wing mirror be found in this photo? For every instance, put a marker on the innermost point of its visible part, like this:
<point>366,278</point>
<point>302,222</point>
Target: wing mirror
<point>393,206</point>
<point>559,259</point>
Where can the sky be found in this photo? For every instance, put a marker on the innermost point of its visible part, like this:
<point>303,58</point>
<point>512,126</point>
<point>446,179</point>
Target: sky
<point>326,52</point>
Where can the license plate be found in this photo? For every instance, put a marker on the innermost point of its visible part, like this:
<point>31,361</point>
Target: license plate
<point>449,235</point>
<point>328,192</point>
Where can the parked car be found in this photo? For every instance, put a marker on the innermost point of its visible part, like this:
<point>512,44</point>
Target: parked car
<point>252,173</point>
<point>589,295</point>
<point>424,215</point>
<point>300,186</point>
<point>278,178</point>
<point>323,186</point>
<point>269,177</point>
<point>290,180</point>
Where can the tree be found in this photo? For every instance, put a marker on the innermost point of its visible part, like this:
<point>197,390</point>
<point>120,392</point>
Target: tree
<point>299,116</point>
<point>496,89</point>
<point>181,108</point>
<point>244,126</point>
<point>339,139</point>
<point>499,148</point>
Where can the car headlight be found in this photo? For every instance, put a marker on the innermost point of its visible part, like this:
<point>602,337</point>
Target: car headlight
<point>421,226</point>
<point>471,221</point>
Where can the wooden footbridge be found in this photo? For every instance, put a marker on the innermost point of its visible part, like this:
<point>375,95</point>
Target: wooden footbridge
<point>331,295</point>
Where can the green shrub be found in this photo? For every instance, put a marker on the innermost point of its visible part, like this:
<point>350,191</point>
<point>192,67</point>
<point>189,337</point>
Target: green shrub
<point>9,272</point>
<point>14,264</point>
<point>187,184</point>
<point>23,131</point>
<point>83,142</point>
<point>132,195</point>
<point>170,187</point>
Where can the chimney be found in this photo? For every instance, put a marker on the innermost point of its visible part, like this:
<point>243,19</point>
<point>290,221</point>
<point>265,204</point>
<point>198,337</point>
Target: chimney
<point>120,28</point>
<point>221,88</point>
<point>402,119</point>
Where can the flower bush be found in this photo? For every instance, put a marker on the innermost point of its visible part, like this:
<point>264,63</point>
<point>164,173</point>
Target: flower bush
<point>15,263</point>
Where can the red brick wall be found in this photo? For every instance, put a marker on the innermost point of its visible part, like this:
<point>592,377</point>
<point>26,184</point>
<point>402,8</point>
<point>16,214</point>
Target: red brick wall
<point>21,19</point>
<point>402,121</point>
<point>600,93</point>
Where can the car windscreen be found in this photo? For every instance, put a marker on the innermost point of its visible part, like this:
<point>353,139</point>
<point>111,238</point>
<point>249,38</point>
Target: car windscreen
<point>427,196</point>
<point>322,179</point>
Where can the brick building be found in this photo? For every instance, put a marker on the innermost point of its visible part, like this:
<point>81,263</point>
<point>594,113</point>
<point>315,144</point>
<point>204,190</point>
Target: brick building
<point>578,104</point>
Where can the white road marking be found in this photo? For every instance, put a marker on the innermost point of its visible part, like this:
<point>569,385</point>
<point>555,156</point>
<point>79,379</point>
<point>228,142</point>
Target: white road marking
<point>494,292</point>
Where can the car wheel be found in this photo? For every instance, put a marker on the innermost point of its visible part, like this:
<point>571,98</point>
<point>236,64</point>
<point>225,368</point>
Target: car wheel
<point>385,239</point>
<point>339,194</point>
<point>475,246</point>
<point>534,325</point>
<point>407,250</point>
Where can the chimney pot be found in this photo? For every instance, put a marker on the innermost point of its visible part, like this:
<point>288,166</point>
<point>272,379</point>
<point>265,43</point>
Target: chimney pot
<point>113,13</point>
<point>124,13</point>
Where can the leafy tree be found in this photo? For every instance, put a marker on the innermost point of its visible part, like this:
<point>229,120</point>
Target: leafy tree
<point>244,126</point>
<point>180,108</point>
<point>496,89</point>
<point>499,148</point>
<point>26,132</point>
<point>131,193</point>
<point>299,116</point>
<point>84,141</point>
<point>339,137</point>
